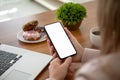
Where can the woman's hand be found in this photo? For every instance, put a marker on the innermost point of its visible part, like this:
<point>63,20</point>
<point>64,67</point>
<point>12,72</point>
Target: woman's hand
<point>58,69</point>
<point>72,70</point>
<point>79,48</point>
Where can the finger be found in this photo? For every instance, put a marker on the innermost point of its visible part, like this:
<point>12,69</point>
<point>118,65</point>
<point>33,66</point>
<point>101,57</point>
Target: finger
<point>54,63</point>
<point>69,34</point>
<point>56,60</point>
<point>50,47</point>
<point>48,42</point>
<point>67,62</point>
<point>55,55</point>
<point>52,50</point>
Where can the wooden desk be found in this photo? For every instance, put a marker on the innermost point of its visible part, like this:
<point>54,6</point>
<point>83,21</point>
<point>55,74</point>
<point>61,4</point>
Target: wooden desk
<point>9,30</point>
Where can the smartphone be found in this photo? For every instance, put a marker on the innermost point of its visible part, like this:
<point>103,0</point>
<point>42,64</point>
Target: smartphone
<point>60,40</point>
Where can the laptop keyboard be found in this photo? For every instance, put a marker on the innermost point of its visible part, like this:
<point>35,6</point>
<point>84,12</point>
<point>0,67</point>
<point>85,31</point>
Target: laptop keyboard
<point>7,59</point>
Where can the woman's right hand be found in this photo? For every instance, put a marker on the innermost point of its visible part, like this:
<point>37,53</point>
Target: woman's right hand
<point>79,48</point>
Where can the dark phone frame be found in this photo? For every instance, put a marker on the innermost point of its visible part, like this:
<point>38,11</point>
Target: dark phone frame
<point>53,44</point>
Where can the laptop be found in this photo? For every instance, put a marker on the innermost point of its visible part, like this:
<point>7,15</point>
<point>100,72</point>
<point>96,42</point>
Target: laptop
<point>21,64</point>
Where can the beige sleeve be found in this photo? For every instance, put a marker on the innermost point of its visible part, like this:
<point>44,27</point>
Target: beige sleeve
<point>89,54</point>
<point>92,70</point>
<point>106,67</point>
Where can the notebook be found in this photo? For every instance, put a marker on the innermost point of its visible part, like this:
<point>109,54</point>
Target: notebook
<point>21,64</point>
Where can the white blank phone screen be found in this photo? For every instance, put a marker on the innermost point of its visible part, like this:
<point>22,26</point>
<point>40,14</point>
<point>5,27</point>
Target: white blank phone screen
<point>60,40</point>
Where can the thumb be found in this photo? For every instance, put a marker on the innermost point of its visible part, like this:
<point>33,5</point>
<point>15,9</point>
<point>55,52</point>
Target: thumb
<point>67,62</point>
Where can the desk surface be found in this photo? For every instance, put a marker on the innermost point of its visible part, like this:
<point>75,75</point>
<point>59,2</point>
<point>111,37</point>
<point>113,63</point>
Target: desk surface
<point>9,30</point>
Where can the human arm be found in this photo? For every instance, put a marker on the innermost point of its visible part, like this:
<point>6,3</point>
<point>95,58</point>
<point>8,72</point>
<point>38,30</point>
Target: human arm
<point>83,54</point>
<point>89,54</point>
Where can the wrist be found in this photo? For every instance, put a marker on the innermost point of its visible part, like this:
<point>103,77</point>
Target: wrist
<point>56,77</point>
<point>89,54</point>
<point>82,53</point>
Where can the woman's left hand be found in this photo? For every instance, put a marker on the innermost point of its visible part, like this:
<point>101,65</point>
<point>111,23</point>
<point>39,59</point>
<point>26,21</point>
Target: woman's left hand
<point>58,69</point>
<point>78,47</point>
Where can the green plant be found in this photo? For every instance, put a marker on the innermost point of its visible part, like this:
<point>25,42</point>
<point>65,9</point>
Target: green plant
<point>71,13</point>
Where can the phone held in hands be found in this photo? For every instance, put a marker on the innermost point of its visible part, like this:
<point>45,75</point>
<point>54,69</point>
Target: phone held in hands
<point>60,40</point>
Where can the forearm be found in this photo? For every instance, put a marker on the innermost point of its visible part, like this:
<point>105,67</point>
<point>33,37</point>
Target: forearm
<point>89,54</point>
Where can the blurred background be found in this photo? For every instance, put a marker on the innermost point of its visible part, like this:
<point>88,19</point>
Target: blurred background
<point>11,9</point>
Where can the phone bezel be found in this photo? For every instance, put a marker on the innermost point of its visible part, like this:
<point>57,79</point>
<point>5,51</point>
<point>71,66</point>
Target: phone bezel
<point>53,44</point>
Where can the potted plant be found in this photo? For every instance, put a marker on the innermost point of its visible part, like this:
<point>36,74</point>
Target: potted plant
<point>71,14</point>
